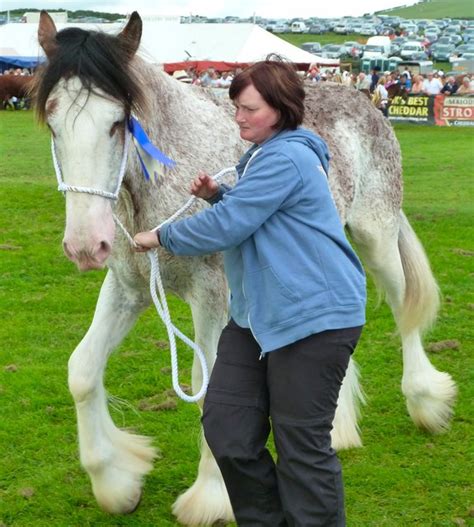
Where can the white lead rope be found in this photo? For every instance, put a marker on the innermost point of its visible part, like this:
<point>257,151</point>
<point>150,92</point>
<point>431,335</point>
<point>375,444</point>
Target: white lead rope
<point>157,291</point>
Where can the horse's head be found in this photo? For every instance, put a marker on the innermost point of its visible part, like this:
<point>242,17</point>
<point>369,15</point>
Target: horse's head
<point>85,94</point>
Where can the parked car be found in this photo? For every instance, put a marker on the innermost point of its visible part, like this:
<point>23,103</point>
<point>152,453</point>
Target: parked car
<point>444,40</point>
<point>281,27</point>
<point>453,29</point>
<point>410,48</point>
<point>341,29</point>
<point>455,38</point>
<point>333,51</point>
<point>463,48</point>
<point>385,42</point>
<point>353,49</point>
<point>312,47</point>
<point>274,26</point>
<point>299,27</point>
<point>442,52</point>
<point>468,34</point>
<point>317,29</point>
<point>368,31</point>
<point>431,36</point>
<point>419,56</point>
<point>394,49</point>
<point>410,29</point>
<point>466,56</point>
<point>400,40</point>
<point>372,51</point>
<point>433,28</point>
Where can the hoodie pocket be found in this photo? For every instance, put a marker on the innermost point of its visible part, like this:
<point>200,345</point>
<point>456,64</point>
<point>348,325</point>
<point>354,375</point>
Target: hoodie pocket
<point>269,299</point>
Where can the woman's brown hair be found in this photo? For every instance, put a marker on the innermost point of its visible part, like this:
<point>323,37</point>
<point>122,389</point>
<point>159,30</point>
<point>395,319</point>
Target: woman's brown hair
<point>279,85</point>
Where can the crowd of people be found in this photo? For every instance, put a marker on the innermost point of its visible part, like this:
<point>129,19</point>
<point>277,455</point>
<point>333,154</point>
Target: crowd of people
<point>210,78</point>
<point>17,71</point>
<point>376,84</point>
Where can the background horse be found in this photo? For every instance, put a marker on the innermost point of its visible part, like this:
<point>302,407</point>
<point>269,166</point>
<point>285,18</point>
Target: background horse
<point>85,94</point>
<point>13,86</point>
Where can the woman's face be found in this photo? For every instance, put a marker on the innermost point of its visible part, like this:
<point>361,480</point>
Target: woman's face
<point>254,116</point>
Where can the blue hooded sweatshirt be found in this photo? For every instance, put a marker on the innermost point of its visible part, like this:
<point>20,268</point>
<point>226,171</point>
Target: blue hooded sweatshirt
<point>290,269</point>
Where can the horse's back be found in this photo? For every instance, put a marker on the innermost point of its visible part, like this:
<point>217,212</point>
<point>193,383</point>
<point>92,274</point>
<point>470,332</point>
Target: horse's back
<point>365,169</point>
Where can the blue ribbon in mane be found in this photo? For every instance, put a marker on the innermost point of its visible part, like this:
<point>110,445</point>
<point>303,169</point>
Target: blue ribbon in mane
<point>148,153</point>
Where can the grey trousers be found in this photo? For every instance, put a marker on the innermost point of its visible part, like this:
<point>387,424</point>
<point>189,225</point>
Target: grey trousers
<point>295,389</point>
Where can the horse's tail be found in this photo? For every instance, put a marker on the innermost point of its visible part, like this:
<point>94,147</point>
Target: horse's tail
<point>422,299</point>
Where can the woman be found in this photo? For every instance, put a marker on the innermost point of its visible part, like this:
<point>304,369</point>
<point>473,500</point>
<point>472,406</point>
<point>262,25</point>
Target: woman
<point>417,86</point>
<point>297,309</point>
<point>380,95</point>
<point>465,88</point>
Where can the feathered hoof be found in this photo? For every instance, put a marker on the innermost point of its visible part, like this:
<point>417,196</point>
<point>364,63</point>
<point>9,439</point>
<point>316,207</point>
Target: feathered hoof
<point>206,503</point>
<point>432,408</point>
<point>117,480</point>
<point>345,436</point>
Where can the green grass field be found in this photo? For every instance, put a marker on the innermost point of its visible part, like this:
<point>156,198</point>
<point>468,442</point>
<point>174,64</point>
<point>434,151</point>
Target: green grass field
<point>402,477</point>
<point>435,9</point>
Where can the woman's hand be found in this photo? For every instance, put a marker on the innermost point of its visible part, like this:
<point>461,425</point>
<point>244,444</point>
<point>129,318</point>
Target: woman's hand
<point>203,186</point>
<point>146,241</point>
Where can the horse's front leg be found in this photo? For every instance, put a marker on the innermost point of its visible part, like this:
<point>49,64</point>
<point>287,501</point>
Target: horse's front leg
<point>115,460</point>
<point>206,501</point>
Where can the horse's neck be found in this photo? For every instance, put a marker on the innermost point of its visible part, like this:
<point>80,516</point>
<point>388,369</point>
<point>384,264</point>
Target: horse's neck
<point>188,127</point>
<point>155,199</point>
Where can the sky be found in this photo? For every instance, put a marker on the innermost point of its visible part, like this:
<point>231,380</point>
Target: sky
<point>216,8</point>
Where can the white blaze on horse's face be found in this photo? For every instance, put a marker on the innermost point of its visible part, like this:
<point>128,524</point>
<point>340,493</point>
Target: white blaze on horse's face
<point>88,132</point>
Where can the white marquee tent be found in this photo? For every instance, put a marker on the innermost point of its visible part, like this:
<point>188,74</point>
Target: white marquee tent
<point>165,42</point>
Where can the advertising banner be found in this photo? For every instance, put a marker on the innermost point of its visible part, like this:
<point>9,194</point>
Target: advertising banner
<point>440,110</point>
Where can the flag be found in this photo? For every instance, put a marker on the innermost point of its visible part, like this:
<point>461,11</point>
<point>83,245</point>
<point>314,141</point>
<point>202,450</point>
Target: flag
<point>150,156</point>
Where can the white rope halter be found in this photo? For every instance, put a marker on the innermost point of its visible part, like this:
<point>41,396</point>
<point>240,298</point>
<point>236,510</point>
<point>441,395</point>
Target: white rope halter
<point>156,285</point>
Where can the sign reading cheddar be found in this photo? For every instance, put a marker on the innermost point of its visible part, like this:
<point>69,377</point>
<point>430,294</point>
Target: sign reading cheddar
<point>415,108</point>
<point>441,110</point>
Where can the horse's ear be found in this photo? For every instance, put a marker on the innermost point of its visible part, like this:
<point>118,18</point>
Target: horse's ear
<point>47,34</point>
<point>131,34</point>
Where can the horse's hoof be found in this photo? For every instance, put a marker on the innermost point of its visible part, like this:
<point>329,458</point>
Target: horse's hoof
<point>136,504</point>
<point>220,523</point>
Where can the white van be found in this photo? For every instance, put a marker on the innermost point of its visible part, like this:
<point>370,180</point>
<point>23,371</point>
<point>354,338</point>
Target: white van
<point>383,42</point>
<point>299,27</point>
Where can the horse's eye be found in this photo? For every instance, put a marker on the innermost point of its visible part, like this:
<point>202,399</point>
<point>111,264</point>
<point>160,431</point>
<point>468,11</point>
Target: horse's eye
<point>115,127</point>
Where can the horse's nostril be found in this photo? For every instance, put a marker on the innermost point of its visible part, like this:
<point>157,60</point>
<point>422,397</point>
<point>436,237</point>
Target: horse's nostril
<point>104,249</point>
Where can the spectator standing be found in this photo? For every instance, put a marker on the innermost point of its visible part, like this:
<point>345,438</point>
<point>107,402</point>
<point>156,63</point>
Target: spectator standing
<point>451,87</point>
<point>375,78</point>
<point>432,85</point>
<point>393,78</point>
<point>466,88</point>
<point>226,79</point>
<point>405,82</point>
<point>363,82</point>
<point>206,78</point>
<point>313,74</point>
<point>380,96</point>
<point>417,86</point>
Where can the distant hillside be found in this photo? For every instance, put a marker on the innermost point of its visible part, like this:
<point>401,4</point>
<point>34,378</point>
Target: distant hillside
<point>435,9</point>
<point>71,14</point>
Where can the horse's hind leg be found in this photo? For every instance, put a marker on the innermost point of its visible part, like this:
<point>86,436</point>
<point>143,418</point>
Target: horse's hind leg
<point>115,460</point>
<point>394,255</point>
<point>206,501</point>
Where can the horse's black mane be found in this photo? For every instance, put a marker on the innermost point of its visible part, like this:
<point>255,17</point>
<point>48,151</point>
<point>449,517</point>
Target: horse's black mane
<point>98,60</point>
